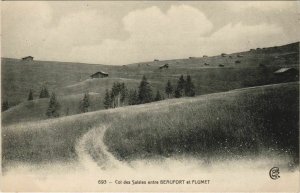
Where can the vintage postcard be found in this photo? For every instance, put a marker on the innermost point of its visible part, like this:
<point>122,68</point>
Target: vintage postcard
<point>149,96</point>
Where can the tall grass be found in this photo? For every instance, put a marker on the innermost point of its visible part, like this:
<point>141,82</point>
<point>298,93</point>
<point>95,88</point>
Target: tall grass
<point>228,124</point>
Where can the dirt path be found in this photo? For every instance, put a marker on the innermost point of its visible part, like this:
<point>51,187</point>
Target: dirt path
<point>92,151</point>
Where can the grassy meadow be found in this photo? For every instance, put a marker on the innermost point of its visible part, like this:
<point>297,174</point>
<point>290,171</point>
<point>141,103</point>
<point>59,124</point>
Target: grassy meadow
<point>70,78</point>
<point>36,109</point>
<point>232,124</point>
<point>206,81</point>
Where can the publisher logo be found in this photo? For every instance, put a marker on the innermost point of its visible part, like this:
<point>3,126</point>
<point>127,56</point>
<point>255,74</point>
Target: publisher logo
<point>274,173</point>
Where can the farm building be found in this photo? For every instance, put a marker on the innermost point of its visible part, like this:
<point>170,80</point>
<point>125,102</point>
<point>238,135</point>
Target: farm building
<point>27,58</point>
<point>289,71</point>
<point>99,74</point>
<point>166,66</point>
<point>288,74</point>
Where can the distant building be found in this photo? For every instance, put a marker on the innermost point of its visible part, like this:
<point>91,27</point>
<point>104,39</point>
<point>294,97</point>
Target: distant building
<point>156,60</point>
<point>289,71</point>
<point>287,74</point>
<point>166,66</point>
<point>205,56</point>
<point>27,58</point>
<point>99,74</point>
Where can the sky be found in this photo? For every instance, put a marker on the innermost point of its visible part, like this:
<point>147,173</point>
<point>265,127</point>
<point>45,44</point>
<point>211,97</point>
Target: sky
<point>117,33</point>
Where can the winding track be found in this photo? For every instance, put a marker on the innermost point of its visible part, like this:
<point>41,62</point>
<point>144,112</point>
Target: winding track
<point>93,153</point>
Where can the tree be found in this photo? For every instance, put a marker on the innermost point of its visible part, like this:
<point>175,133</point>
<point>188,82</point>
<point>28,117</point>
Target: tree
<point>123,93</point>
<point>118,94</point>
<point>53,107</point>
<point>30,95</point>
<point>179,92</point>
<point>158,96</point>
<point>169,89</point>
<point>107,99</point>
<point>4,106</point>
<point>44,93</point>
<point>189,87</point>
<point>145,91</point>
<point>85,103</point>
<point>133,97</point>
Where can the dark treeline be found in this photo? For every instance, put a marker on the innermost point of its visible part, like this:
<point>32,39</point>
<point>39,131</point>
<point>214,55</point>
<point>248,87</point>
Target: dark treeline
<point>119,95</point>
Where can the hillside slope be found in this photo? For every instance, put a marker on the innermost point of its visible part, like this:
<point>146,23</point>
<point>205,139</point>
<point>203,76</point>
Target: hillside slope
<point>276,55</point>
<point>237,123</point>
<point>18,76</point>
<point>36,109</point>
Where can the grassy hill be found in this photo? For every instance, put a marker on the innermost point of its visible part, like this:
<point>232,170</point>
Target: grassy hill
<point>276,55</point>
<point>36,110</point>
<point>238,123</point>
<point>72,79</point>
<point>18,76</point>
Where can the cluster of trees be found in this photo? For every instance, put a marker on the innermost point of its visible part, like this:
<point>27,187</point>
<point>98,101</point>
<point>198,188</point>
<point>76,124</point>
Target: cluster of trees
<point>119,95</point>
<point>53,107</point>
<point>116,96</point>
<point>183,88</point>
<point>43,94</point>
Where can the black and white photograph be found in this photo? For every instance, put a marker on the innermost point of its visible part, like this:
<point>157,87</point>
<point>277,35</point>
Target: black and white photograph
<point>150,96</point>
